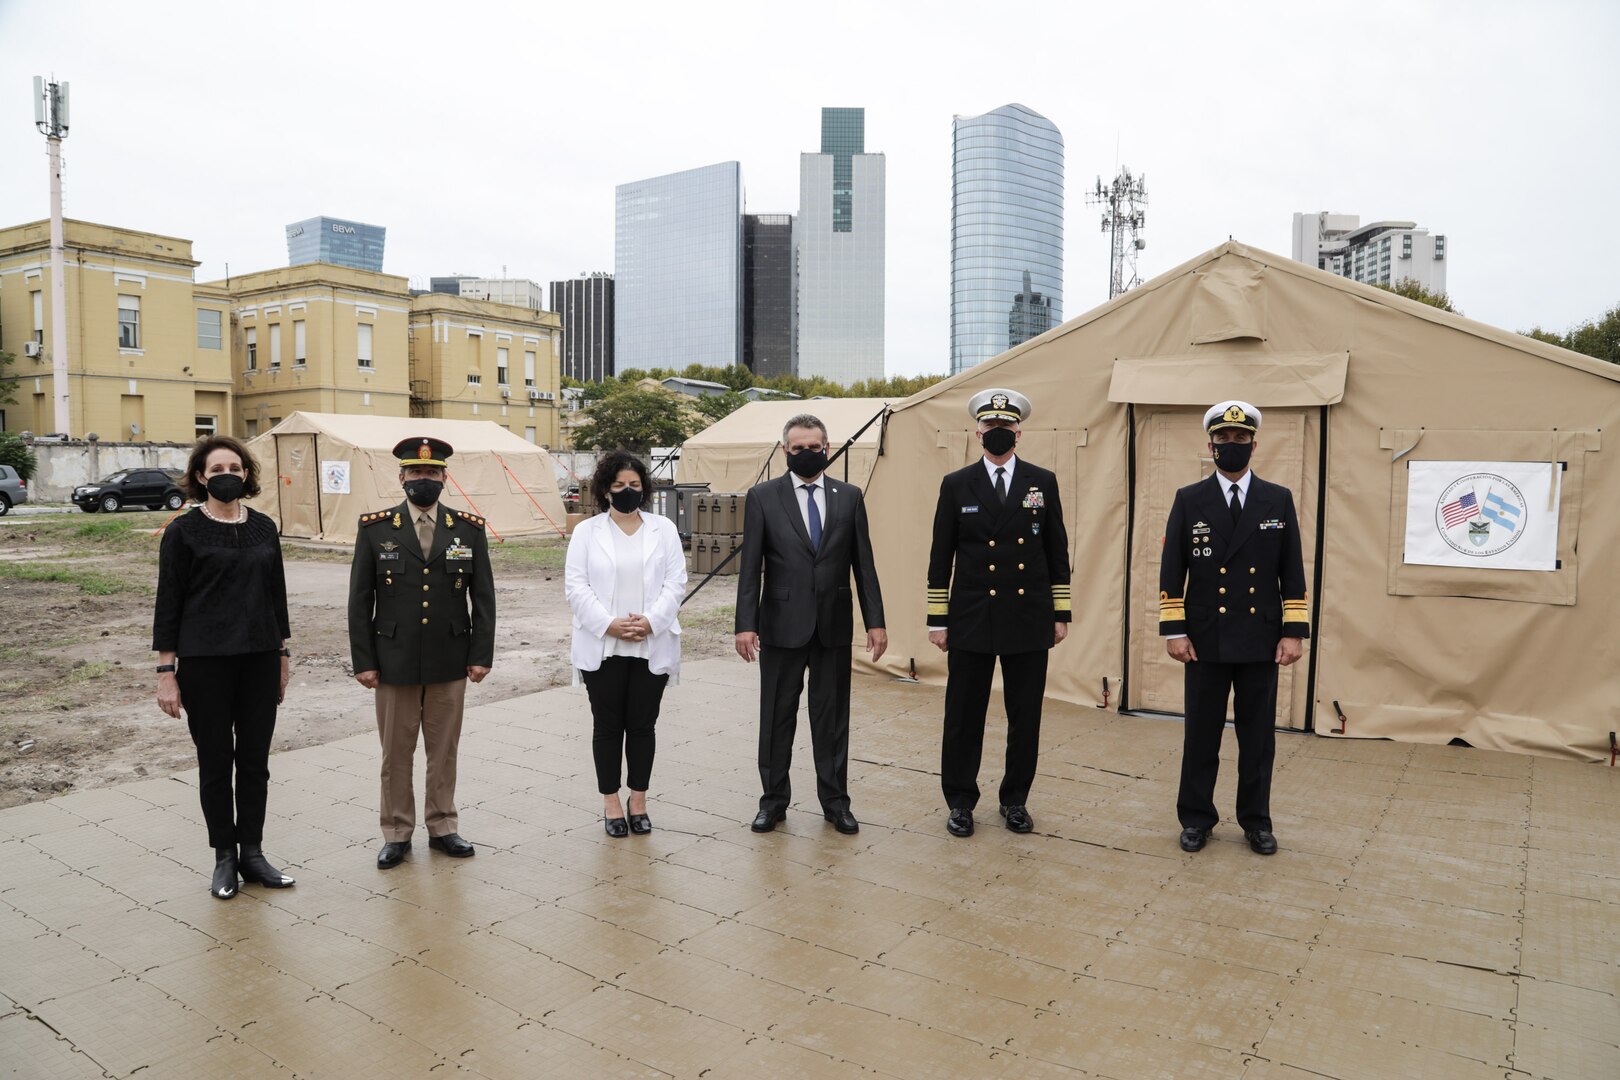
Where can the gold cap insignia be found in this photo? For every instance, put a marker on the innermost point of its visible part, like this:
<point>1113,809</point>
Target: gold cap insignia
<point>998,401</point>
<point>424,451</point>
<point>1235,415</point>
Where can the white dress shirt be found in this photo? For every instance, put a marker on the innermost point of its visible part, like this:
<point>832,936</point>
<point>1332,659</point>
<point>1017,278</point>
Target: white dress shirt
<point>1006,479</point>
<point>628,594</point>
<point>818,492</point>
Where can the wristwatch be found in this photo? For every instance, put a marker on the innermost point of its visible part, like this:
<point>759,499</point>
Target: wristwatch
<point>164,667</point>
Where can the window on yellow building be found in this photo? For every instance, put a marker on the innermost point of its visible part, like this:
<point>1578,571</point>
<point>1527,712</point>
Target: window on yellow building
<point>363,344</point>
<point>208,329</point>
<point>206,426</point>
<point>252,349</point>
<point>474,380</point>
<point>501,355</point>
<point>528,369</point>
<point>275,346</point>
<point>39,316</point>
<point>129,322</point>
<point>300,357</point>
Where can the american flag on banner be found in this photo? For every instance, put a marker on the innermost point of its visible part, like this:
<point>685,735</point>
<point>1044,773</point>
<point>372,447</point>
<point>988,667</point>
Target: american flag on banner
<point>1460,510</point>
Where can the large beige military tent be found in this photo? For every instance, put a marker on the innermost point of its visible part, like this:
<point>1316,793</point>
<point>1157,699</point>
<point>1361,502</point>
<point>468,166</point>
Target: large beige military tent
<point>321,471</point>
<point>740,450</point>
<point>1360,389</point>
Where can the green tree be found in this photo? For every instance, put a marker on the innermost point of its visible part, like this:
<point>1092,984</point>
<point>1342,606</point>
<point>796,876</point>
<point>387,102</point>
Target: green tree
<point>1412,290</point>
<point>1546,335</point>
<point>1600,338</point>
<point>8,385</point>
<point>637,420</point>
<point>15,452</point>
<point>719,406</point>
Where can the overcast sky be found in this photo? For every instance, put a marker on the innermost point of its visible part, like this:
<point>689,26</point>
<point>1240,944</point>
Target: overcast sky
<point>489,136</point>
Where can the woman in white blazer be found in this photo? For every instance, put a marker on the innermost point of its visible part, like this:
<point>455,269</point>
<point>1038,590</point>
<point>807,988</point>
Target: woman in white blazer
<point>625,577</point>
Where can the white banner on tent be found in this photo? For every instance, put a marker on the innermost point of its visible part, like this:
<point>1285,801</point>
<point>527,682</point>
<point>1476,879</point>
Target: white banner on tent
<point>1498,515</point>
<point>334,478</point>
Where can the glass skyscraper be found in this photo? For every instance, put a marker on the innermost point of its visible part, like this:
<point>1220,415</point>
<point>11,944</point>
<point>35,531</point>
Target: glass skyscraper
<point>337,241</point>
<point>586,306</point>
<point>1006,232</point>
<point>678,284</point>
<point>839,238</point>
<point>768,294</point>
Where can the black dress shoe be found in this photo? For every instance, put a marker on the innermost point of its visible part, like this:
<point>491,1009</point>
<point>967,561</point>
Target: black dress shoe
<point>766,820</point>
<point>1018,819</point>
<point>843,821</point>
<point>1261,843</point>
<point>960,823</point>
<point>452,845</point>
<point>616,827</point>
<point>255,867</point>
<point>393,853</point>
<point>640,824</point>
<point>1192,838</point>
<point>224,884</point>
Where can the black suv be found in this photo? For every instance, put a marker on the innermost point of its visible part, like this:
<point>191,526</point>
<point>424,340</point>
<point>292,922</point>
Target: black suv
<point>151,488</point>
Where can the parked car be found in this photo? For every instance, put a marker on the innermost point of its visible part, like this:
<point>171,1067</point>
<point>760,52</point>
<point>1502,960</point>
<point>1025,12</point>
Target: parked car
<point>13,489</point>
<point>151,488</point>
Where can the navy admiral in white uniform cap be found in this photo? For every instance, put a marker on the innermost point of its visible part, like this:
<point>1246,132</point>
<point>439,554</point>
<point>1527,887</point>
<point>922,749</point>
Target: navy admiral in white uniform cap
<point>1232,607</point>
<point>998,588</point>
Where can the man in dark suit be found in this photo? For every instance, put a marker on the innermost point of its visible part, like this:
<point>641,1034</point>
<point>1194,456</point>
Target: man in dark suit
<point>808,535</point>
<point>999,526</point>
<point>1232,608</point>
<point>421,623</point>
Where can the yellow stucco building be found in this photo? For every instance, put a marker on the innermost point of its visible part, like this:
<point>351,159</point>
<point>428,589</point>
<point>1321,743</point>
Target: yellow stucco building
<point>476,360</point>
<point>148,349</point>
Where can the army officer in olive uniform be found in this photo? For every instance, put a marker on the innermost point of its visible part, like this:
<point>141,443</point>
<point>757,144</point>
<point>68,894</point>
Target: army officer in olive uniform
<point>421,623</point>
<point>998,587</point>
<point>1232,608</point>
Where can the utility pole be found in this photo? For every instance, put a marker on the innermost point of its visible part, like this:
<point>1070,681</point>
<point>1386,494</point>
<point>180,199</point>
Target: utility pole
<point>1124,202</point>
<point>51,118</point>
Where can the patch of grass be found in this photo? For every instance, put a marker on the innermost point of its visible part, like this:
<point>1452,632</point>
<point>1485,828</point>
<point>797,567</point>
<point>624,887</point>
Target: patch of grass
<point>720,618</point>
<point>548,554</point>
<point>90,582</point>
<point>100,534</point>
<point>11,686</point>
<point>87,672</point>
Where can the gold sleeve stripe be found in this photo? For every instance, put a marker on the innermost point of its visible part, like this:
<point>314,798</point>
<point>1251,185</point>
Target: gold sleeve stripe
<point>939,609</point>
<point>1060,605</point>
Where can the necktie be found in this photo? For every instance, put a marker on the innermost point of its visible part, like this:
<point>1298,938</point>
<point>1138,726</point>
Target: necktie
<point>1001,484</point>
<point>1237,507</point>
<point>424,534</point>
<point>815,517</point>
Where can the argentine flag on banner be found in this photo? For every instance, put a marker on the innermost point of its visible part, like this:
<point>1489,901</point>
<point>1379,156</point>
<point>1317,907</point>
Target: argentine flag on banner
<point>1494,515</point>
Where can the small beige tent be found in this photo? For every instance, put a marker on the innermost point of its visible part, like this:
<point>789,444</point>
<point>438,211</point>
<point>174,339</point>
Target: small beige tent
<point>738,451</point>
<point>321,471</point>
<point>1362,390</point>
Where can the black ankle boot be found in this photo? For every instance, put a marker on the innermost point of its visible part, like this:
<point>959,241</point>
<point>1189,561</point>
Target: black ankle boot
<point>224,883</point>
<point>255,867</point>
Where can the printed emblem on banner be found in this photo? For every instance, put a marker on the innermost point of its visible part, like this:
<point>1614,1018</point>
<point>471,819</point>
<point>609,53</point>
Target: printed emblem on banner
<point>1036,499</point>
<point>1481,514</point>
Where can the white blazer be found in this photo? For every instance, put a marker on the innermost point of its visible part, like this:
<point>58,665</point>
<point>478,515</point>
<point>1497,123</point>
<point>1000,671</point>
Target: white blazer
<point>589,582</point>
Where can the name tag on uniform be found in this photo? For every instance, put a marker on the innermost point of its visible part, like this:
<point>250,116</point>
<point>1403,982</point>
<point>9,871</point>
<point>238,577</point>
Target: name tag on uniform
<point>1035,499</point>
<point>1274,523</point>
<point>970,509</point>
<point>386,555</point>
<point>458,551</point>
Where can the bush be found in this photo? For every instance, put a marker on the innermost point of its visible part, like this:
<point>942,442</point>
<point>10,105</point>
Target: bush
<point>15,452</point>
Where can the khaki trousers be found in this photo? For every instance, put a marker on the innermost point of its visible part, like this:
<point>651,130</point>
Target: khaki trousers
<point>435,710</point>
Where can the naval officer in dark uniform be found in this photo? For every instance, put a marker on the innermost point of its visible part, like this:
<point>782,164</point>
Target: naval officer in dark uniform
<point>421,623</point>
<point>1232,608</point>
<point>998,588</point>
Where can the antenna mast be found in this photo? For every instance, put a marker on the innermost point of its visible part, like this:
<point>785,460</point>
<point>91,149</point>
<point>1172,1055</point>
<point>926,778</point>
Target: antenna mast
<point>51,118</point>
<point>1124,202</point>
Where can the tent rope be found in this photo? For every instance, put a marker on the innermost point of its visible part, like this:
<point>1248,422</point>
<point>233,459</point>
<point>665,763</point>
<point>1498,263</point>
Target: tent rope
<point>560,531</point>
<point>498,537</point>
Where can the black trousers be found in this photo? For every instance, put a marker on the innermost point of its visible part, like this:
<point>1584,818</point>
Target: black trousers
<point>625,696</point>
<point>230,704</point>
<point>967,696</point>
<point>781,681</point>
<point>1253,690</point>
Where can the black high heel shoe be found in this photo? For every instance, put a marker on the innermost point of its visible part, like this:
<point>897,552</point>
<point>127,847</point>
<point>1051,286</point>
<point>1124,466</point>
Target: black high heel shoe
<point>616,827</point>
<point>255,867</point>
<point>640,824</point>
<point>224,884</point>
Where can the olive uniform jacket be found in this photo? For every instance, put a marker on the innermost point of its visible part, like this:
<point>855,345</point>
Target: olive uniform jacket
<point>1234,589</point>
<point>420,618</point>
<point>1011,561</point>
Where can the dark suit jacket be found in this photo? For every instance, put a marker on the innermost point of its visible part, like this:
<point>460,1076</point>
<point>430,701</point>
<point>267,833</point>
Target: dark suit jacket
<point>1233,589</point>
<point>1011,561</point>
<point>421,617</point>
<point>805,593</point>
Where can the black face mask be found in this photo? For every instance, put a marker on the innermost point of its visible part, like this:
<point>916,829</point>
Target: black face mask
<point>423,493</point>
<point>1232,457</point>
<point>999,440</point>
<point>625,500</point>
<point>808,463</point>
<point>225,487</point>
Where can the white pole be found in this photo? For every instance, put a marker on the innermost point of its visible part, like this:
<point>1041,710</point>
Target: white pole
<point>59,340</point>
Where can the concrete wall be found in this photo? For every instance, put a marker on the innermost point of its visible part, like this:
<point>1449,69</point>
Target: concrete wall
<point>64,466</point>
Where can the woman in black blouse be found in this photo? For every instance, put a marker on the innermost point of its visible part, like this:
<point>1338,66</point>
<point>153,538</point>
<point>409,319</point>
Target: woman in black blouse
<point>221,619</point>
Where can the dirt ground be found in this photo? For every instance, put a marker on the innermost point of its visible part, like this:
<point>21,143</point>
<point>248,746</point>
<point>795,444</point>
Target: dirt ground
<point>77,691</point>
